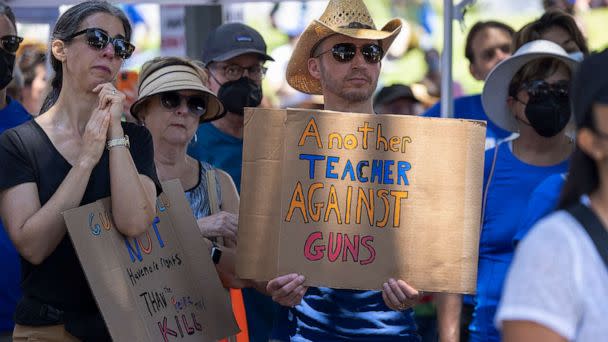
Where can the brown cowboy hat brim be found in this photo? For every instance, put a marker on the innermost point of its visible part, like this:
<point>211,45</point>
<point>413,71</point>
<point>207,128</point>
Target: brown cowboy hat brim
<point>297,70</point>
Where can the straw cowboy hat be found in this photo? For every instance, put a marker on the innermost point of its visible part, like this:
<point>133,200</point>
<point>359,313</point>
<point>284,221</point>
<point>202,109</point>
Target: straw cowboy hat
<point>496,87</point>
<point>347,17</point>
<point>174,78</point>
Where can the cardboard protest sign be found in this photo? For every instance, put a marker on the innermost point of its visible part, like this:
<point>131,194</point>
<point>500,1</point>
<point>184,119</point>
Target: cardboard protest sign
<point>358,199</point>
<point>161,286</point>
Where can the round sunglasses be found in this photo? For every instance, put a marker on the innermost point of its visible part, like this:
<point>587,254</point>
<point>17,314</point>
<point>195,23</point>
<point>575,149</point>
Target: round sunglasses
<point>10,43</point>
<point>197,104</point>
<point>345,52</point>
<point>99,39</point>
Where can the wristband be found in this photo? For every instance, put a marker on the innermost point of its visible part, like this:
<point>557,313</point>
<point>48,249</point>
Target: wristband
<point>124,141</point>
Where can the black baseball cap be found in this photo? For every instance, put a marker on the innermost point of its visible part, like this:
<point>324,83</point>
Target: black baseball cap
<point>394,92</point>
<point>234,39</point>
<point>589,87</point>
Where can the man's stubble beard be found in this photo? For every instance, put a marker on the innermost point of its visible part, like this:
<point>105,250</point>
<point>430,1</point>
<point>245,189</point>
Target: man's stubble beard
<point>352,95</point>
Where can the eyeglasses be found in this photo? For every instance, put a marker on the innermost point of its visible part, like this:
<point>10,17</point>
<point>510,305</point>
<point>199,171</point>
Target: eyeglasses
<point>234,72</point>
<point>10,43</point>
<point>99,39</point>
<point>538,87</point>
<point>197,104</point>
<point>345,52</point>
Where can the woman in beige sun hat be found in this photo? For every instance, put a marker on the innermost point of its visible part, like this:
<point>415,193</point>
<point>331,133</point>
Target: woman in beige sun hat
<point>173,99</point>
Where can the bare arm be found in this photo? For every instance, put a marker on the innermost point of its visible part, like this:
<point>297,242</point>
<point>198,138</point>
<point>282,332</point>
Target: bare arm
<point>36,231</point>
<point>526,331</point>
<point>133,195</point>
<point>448,316</point>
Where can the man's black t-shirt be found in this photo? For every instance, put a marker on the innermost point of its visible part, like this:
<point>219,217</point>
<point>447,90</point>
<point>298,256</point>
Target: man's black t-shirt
<point>28,155</point>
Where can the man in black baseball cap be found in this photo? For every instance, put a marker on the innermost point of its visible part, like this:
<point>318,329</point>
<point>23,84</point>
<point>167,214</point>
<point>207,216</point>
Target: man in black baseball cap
<point>234,56</point>
<point>232,40</point>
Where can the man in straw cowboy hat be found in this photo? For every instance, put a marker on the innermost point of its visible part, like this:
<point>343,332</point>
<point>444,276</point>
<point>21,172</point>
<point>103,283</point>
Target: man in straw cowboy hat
<point>338,56</point>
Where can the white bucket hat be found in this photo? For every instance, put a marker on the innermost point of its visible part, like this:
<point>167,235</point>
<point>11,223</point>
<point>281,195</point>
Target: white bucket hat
<point>496,87</point>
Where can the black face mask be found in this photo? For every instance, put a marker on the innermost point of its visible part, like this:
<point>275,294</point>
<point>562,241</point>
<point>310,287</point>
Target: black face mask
<point>7,63</point>
<point>548,113</point>
<point>236,95</point>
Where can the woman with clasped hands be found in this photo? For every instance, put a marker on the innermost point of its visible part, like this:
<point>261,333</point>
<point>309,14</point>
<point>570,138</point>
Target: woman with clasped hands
<point>173,100</point>
<point>75,153</point>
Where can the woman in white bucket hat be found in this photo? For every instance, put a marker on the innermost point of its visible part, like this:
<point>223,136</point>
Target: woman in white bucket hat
<point>528,94</point>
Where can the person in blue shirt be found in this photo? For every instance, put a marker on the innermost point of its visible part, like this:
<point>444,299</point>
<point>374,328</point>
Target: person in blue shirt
<point>234,56</point>
<point>487,44</point>
<point>501,228</point>
<point>543,201</point>
<point>12,114</point>
<point>527,93</point>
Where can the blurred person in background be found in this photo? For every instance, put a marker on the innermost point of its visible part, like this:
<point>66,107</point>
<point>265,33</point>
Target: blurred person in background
<point>432,78</point>
<point>12,114</point>
<point>557,286</point>
<point>558,27</point>
<point>126,82</point>
<point>487,44</point>
<point>402,99</point>
<point>234,56</point>
<point>290,19</point>
<point>14,89</point>
<point>562,5</point>
<point>32,63</point>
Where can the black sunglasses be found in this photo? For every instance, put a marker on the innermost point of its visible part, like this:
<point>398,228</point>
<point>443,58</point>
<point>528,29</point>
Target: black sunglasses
<point>10,43</point>
<point>197,104</point>
<point>345,52</point>
<point>538,87</point>
<point>99,39</point>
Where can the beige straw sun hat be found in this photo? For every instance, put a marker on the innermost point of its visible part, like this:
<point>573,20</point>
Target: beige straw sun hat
<point>347,17</point>
<point>175,78</point>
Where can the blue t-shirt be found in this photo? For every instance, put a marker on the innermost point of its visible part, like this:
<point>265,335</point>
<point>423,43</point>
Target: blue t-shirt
<point>11,116</point>
<point>218,149</point>
<point>225,152</point>
<point>542,202</point>
<point>327,314</point>
<point>470,107</point>
<point>507,198</point>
